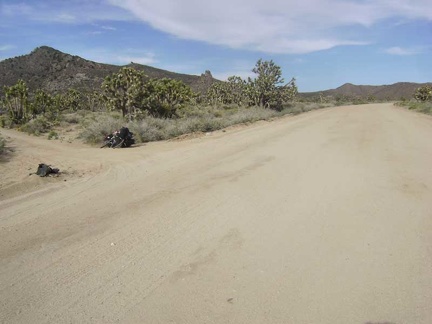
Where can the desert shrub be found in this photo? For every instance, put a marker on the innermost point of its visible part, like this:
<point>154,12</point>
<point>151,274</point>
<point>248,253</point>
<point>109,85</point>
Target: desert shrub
<point>420,106</point>
<point>2,145</point>
<point>301,107</point>
<point>423,94</point>
<point>250,115</point>
<point>96,128</point>
<point>53,135</point>
<point>36,126</point>
<point>72,118</point>
<point>150,129</point>
<point>193,118</point>
<point>199,111</point>
<point>209,124</point>
<point>164,97</point>
<point>6,121</point>
<point>154,129</point>
<point>425,107</point>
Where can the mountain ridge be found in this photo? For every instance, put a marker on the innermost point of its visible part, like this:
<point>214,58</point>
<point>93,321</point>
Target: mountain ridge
<point>54,71</point>
<point>395,91</point>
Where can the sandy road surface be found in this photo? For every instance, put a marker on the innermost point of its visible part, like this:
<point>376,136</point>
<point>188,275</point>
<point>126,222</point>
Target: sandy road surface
<point>321,218</point>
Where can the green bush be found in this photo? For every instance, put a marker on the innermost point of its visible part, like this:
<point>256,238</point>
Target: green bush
<point>423,94</point>
<point>6,121</point>
<point>37,126</point>
<point>420,106</point>
<point>53,135</point>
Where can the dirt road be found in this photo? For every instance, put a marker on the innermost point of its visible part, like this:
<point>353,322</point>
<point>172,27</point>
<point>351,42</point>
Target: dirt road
<point>325,217</point>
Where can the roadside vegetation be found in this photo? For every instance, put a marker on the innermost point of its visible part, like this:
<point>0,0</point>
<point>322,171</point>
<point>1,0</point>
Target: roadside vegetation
<point>2,145</point>
<point>421,102</point>
<point>159,109</point>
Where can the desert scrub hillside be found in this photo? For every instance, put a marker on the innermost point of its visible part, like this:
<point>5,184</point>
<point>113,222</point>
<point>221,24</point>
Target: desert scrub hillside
<point>54,71</point>
<point>156,109</point>
<point>422,101</point>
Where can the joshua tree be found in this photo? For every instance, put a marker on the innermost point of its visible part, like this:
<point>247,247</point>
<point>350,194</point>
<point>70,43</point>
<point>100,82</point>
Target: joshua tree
<point>124,90</point>
<point>16,102</point>
<point>423,93</point>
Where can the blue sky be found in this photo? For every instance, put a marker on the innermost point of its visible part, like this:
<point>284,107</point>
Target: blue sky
<point>322,43</point>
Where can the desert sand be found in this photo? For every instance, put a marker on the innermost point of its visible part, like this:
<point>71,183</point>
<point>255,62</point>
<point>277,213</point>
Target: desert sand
<point>325,217</point>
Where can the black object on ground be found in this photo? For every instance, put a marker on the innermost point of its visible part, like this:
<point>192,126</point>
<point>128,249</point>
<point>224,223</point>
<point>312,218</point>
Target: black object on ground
<point>45,170</point>
<point>120,138</point>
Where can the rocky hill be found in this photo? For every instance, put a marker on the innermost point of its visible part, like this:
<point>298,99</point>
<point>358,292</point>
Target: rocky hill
<point>394,91</point>
<point>54,71</point>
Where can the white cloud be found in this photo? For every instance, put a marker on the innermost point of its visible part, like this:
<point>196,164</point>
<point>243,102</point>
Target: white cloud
<point>108,28</point>
<point>298,61</point>
<point>15,9</point>
<point>65,18</point>
<point>101,29</point>
<point>272,26</point>
<point>145,59</point>
<point>119,57</point>
<point>6,47</point>
<point>71,11</point>
<point>402,51</point>
<point>244,74</point>
<point>94,33</point>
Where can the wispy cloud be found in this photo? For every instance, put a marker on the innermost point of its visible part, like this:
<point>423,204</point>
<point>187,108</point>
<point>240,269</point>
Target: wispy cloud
<point>274,26</point>
<point>145,59</point>
<point>108,28</point>
<point>402,51</point>
<point>69,12</point>
<point>65,18</point>
<point>244,74</point>
<point>100,29</point>
<point>6,47</point>
<point>15,9</point>
<point>119,56</point>
<point>94,33</point>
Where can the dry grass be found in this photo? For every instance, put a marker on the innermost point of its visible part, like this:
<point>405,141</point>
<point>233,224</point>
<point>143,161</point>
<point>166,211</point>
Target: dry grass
<point>191,119</point>
<point>423,107</point>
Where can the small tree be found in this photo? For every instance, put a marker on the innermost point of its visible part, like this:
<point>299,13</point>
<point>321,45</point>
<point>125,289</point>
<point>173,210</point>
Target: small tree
<point>218,94</point>
<point>231,92</point>
<point>42,103</point>
<point>93,101</point>
<point>162,97</point>
<point>289,91</point>
<point>16,102</point>
<point>269,77</point>
<point>423,93</point>
<point>266,90</point>
<point>72,100</point>
<point>237,90</point>
<point>124,91</point>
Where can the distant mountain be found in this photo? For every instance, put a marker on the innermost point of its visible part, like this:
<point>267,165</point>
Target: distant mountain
<point>54,71</point>
<point>394,91</point>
